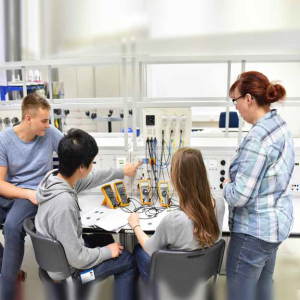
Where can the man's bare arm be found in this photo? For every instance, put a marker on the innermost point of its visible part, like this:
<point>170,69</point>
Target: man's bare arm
<point>10,191</point>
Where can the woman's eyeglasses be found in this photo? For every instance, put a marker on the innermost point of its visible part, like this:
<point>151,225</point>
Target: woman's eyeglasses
<point>234,100</point>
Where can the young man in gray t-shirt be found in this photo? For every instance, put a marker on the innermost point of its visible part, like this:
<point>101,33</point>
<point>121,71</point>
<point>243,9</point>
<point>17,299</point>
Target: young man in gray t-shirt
<point>25,157</point>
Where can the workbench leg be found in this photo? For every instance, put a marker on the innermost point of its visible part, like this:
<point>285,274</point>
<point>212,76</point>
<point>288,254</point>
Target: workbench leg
<point>128,241</point>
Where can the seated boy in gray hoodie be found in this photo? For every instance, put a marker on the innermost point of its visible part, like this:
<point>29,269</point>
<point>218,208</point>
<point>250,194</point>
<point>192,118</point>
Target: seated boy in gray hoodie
<point>58,214</point>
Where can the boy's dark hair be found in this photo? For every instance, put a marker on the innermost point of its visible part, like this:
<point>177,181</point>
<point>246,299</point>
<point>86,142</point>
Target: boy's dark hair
<point>76,149</point>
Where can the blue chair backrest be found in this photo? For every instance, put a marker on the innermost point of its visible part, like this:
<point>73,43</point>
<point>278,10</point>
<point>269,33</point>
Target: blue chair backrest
<point>233,120</point>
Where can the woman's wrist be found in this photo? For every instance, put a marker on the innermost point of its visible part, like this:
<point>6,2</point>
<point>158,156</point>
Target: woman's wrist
<point>135,226</point>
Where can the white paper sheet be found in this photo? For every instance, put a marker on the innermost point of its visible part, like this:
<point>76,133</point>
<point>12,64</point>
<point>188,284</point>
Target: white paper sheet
<point>104,218</point>
<point>113,222</point>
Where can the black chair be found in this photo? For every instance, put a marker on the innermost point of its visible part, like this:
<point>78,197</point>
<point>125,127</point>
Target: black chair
<point>181,273</point>
<point>51,257</point>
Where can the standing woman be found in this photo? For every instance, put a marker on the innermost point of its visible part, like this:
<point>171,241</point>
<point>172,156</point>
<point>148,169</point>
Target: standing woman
<point>259,189</point>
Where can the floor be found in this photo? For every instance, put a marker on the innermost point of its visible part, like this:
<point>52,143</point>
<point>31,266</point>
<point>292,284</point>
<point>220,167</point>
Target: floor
<point>287,274</point>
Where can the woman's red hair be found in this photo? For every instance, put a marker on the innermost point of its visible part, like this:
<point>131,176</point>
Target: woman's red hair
<point>258,85</point>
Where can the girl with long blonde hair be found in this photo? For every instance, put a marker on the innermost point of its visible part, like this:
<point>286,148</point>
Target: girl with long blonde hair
<point>198,221</point>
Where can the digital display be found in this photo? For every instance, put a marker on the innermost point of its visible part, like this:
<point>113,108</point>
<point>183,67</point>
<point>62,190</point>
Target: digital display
<point>108,189</point>
<point>163,185</point>
<point>110,194</point>
<point>122,192</point>
<point>144,183</point>
<point>120,185</point>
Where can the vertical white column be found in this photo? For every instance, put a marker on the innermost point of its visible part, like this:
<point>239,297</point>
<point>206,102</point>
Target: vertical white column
<point>125,103</point>
<point>134,110</point>
<point>227,97</point>
<point>240,118</point>
<point>24,81</point>
<point>50,93</point>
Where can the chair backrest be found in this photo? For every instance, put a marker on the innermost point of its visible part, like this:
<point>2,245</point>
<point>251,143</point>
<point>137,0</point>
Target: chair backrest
<point>233,119</point>
<point>183,271</point>
<point>49,253</point>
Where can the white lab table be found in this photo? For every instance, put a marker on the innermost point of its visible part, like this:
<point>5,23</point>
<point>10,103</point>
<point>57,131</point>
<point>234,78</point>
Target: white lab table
<point>89,201</point>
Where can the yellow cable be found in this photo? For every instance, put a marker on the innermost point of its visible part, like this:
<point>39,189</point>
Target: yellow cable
<point>173,147</point>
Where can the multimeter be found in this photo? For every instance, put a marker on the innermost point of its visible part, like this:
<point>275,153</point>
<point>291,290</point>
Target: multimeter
<point>145,191</point>
<point>164,193</point>
<point>109,196</point>
<point>121,193</point>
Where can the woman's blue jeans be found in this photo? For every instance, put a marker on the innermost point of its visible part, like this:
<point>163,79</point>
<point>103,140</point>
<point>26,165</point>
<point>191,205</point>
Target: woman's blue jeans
<point>143,261</point>
<point>250,267</point>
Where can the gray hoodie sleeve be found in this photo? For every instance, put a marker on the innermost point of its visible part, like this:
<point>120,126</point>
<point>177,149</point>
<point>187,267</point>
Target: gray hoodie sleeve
<point>99,177</point>
<point>162,236</point>
<point>64,228</point>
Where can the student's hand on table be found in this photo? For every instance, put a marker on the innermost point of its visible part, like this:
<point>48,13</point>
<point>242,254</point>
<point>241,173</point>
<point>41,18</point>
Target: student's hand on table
<point>130,168</point>
<point>226,181</point>
<point>31,196</point>
<point>133,220</point>
<point>115,249</point>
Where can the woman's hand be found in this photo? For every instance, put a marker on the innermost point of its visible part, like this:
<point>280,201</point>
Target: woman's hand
<point>134,220</point>
<point>226,181</point>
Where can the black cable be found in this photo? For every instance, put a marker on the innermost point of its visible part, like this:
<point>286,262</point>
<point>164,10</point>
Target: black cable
<point>169,157</point>
<point>152,167</point>
<point>156,179</point>
<point>147,142</point>
<point>127,211</point>
<point>172,201</point>
<point>148,211</point>
<point>162,151</point>
<point>180,139</point>
<point>135,201</point>
<point>167,167</point>
<point>153,156</point>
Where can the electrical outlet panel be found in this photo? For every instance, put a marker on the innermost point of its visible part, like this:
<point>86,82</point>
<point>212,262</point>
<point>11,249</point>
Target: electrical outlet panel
<point>217,160</point>
<point>217,170</point>
<point>157,172</point>
<point>217,167</point>
<point>107,161</point>
<point>171,124</point>
<point>296,178</point>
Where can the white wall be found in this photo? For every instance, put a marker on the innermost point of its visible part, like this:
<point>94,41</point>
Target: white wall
<point>288,74</point>
<point>210,80</point>
<point>171,18</point>
<point>74,28</point>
